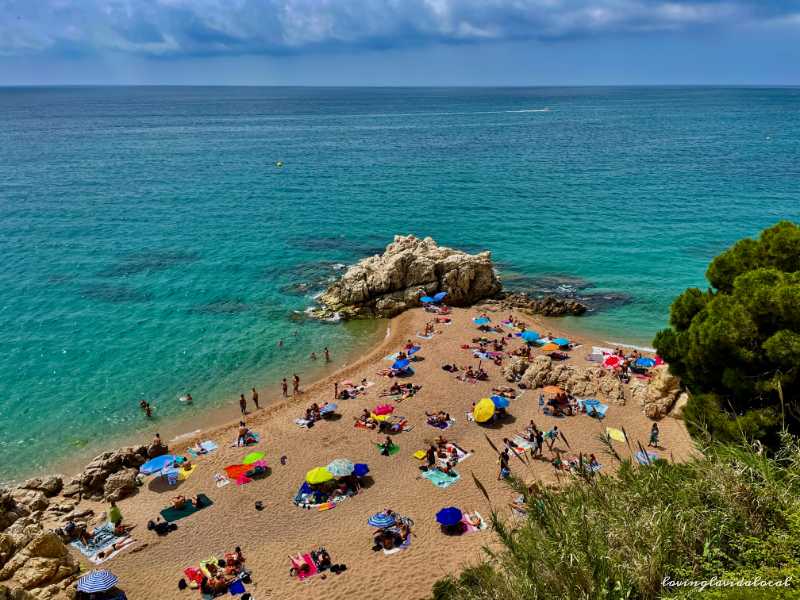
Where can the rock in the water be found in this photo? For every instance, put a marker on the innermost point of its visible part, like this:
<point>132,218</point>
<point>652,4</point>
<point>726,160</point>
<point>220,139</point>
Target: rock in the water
<point>386,285</point>
<point>548,306</point>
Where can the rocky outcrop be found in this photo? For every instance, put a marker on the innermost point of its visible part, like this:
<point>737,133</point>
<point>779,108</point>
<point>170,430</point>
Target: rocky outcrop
<point>91,483</point>
<point>548,306</point>
<point>38,559</point>
<point>592,382</point>
<point>49,486</point>
<point>120,485</point>
<point>387,284</point>
<point>7,593</point>
<point>658,396</point>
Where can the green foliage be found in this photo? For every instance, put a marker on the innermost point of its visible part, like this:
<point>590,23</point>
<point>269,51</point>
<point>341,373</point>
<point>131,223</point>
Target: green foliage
<point>729,513</point>
<point>737,345</point>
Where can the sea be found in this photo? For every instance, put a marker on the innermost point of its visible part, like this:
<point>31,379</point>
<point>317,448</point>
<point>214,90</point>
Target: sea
<point>163,240</point>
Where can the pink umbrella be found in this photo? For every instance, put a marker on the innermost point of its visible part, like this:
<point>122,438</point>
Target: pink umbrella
<point>659,360</point>
<point>384,409</point>
<point>612,361</point>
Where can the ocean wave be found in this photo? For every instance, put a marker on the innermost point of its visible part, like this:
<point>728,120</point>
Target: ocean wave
<point>529,110</point>
<point>631,346</point>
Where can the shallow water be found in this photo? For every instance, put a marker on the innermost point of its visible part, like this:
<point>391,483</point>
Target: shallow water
<point>151,246</point>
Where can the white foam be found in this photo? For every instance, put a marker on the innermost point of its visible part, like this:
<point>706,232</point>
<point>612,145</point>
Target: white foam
<point>631,346</point>
<point>529,110</point>
<point>183,436</point>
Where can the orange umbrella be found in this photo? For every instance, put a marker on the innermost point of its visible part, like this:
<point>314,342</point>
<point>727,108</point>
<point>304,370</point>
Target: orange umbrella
<point>553,389</point>
<point>551,347</point>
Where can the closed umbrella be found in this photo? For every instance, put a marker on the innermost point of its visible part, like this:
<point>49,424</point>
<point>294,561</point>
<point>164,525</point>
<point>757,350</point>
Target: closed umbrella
<point>384,409</point>
<point>318,475</point>
<point>341,467</point>
<point>561,341</point>
<point>529,336</point>
<point>154,465</point>
<point>439,296</point>
<point>97,581</point>
<point>252,457</point>
<point>381,520</point>
<point>645,362</point>
<point>401,364</point>
<point>449,516</point>
<point>426,300</point>
<point>500,401</point>
<point>483,411</point>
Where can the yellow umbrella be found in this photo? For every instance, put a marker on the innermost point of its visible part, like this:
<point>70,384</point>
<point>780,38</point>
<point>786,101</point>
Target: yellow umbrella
<point>549,347</point>
<point>318,475</point>
<point>483,410</point>
<point>378,417</point>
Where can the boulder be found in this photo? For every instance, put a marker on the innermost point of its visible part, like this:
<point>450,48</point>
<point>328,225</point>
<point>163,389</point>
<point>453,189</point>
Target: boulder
<point>593,382</point>
<point>10,510</point>
<point>40,559</point>
<point>386,285</point>
<point>32,500</point>
<point>91,482</point>
<point>548,306</point>
<point>6,593</point>
<point>49,486</point>
<point>514,369</point>
<point>658,396</point>
<point>120,484</point>
<point>680,404</point>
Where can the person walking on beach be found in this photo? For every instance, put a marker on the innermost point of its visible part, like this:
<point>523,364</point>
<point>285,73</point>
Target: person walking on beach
<point>552,436</point>
<point>504,470</point>
<point>243,404</point>
<point>255,398</point>
<point>295,384</point>
<point>327,355</point>
<point>537,449</point>
<point>654,436</point>
<point>285,388</point>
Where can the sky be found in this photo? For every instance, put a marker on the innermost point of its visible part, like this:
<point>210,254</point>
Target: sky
<point>399,42</point>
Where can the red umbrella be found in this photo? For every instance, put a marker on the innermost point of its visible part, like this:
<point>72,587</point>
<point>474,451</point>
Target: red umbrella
<point>612,361</point>
<point>383,409</point>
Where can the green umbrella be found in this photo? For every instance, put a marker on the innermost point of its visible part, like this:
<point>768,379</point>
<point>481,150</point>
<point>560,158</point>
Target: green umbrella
<point>252,457</point>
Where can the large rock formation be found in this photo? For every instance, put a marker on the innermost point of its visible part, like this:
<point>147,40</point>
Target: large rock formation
<point>34,559</point>
<point>548,306</point>
<point>385,285</point>
<point>658,396</point>
<point>93,482</point>
<point>592,382</point>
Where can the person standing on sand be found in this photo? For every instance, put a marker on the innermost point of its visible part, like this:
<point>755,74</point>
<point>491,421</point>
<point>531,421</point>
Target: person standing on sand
<point>654,436</point>
<point>295,384</point>
<point>335,390</point>
<point>114,514</point>
<point>255,398</point>
<point>285,388</point>
<point>537,450</point>
<point>243,404</point>
<point>327,355</point>
<point>504,470</point>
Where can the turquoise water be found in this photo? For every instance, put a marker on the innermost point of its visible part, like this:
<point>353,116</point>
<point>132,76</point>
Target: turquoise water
<point>150,246</point>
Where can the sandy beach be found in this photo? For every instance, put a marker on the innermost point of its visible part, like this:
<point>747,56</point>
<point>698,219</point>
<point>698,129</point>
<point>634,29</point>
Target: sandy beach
<point>152,567</point>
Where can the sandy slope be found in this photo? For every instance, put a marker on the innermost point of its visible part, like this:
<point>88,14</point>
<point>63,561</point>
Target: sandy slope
<point>267,537</point>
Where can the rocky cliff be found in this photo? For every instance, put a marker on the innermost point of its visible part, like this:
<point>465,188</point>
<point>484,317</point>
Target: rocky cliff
<point>387,284</point>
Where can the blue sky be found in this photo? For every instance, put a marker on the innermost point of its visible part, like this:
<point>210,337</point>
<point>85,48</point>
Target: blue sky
<point>400,42</point>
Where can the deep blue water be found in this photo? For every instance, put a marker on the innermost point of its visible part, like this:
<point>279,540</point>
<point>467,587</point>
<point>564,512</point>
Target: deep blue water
<point>150,245</point>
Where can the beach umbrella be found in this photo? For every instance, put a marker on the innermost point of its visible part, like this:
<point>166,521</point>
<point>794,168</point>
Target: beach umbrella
<point>252,457</point>
<point>97,581</point>
<point>529,336</point>
<point>360,469</point>
<point>384,409</point>
<point>438,297</point>
<point>375,417</point>
<point>612,361</point>
<point>448,516</point>
<point>645,362</point>
<point>401,364</point>
<point>561,341</point>
<point>549,347</point>
<point>483,410</point>
<point>659,360</point>
<point>341,467</point>
<point>426,300</point>
<point>414,350</point>
<point>481,320</point>
<point>500,401</point>
<point>553,389</point>
<point>154,465</point>
<point>328,408</point>
<point>318,475</point>
<point>381,520</point>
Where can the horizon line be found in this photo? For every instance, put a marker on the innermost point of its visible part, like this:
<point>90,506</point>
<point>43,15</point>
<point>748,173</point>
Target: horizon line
<point>406,86</point>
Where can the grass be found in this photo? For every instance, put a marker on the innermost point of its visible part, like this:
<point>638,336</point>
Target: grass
<point>729,513</point>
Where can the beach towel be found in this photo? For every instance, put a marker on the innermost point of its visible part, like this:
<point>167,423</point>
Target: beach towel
<point>445,425</point>
<point>392,357</point>
<point>312,567</point>
<point>419,454</point>
<point>102,539</point>
<point>392,451</point>
<point>220,480</point>
<point>236,471</point>
<point>123,544</point>
<point>441,480</point>
<point>204,565</point>
<point>521,444</point>
<point>183,474</point>
<point>172,514</point>
<point>236,588</point>
<point>425,337</point>
<point>404,546</point>
<point>208,446</point>
<point>460,453</point>
<point>615,434</point>
<point>301,422</point>
<point>469,527</point>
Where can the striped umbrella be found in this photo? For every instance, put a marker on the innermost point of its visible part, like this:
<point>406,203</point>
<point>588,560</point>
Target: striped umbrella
<point>97,581</point>
<point>340,467</point>
<point>381,520</point>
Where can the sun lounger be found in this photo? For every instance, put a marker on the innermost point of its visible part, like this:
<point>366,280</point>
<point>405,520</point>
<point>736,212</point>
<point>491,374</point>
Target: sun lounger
<point>441,480</point>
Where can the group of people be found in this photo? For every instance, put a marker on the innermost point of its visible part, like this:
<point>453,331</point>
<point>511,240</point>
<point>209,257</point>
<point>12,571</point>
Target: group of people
<point>440,419</point>
<point>404,390</point>
<point>442,455</point>
<point>314,412</point>
<point>222,574</point>
<point>394,536</point>
<point>245,437</point>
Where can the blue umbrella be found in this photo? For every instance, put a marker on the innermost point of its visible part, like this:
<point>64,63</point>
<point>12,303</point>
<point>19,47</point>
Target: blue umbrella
<point>645,362</point>
<point>381,520</point>
<point>561,341</point>
<point>97,581</point>
<point>154,465</point>
<point>330,407</point>
<point>439,297</point>
<point>529,336</point>
<point>426,300</point>
<point>481,320</point>
<point>401,364</point>
<point>414,350</point>
<point>500,401</point>
<point>360,469</point>
<point>448,516</point>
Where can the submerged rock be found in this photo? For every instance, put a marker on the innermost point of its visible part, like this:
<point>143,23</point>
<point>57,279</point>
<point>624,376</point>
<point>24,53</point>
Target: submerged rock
<point>548,306</point>
<point>387,284</point>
